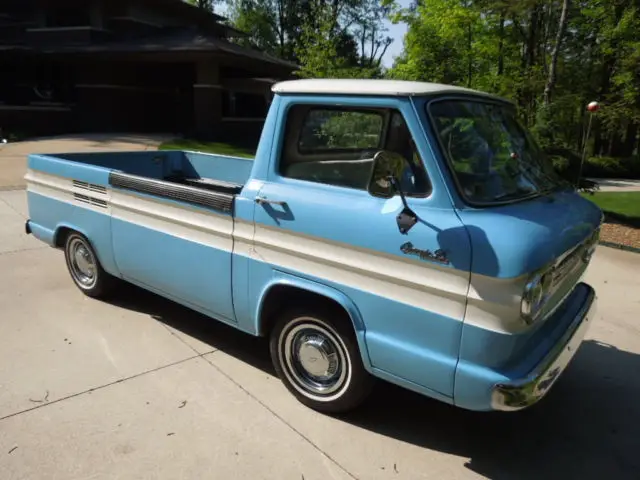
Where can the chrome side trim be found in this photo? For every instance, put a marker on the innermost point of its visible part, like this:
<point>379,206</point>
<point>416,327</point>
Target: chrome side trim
<point>522,393</point>
<point>197,196</point>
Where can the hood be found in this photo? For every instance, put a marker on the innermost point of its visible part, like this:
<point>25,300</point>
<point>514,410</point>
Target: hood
<point>512,240</point>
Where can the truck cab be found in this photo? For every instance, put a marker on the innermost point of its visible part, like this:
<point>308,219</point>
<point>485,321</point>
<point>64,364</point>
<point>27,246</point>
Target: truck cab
<point>403,231</point>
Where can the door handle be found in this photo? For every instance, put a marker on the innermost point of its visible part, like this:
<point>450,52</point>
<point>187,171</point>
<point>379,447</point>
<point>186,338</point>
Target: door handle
<point>264,201</point>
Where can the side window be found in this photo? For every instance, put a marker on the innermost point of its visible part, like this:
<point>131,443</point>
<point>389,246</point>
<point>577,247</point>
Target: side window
<point>346,130</point>
<point>336,145</point>
<point>413,180</point>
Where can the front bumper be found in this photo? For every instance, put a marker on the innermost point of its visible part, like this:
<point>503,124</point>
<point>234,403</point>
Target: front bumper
<point>522,393</point>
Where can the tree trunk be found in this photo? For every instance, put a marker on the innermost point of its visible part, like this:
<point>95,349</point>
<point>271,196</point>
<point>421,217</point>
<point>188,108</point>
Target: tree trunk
<point>501,44</point>
<point>562,26</point>
<point>623,142</point>
<point>533,35</point>
<point>470,64</point>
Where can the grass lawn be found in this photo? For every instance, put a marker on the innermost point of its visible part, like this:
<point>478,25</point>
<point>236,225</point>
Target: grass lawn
<point>207,147</point>
<point>619,205</point>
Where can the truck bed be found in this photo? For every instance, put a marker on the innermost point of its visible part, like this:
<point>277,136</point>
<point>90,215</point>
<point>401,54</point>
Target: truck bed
<point>162,220</point>
<point>216,173</point>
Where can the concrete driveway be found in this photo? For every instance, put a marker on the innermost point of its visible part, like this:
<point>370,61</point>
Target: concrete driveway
<point>13,155</point>
<point>617,184</point>
<point>142,388</point>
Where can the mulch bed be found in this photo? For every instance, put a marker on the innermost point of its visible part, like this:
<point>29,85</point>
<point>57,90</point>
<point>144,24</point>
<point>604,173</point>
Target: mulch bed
<point>614,232</point>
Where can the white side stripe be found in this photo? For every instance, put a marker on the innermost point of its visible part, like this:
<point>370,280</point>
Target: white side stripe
<point>63,189</point>
<point>189,224</point>
<point>425,286</point>
<point>492,303</point>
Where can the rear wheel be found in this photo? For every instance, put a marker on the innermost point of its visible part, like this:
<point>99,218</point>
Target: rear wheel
<point>84,267</point>
<point>316,355</point>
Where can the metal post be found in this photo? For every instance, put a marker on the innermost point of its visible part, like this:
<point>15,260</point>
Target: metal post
<point>592,108</point>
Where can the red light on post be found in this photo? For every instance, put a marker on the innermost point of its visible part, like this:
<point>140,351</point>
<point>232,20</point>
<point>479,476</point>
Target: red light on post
<point>592,108</point>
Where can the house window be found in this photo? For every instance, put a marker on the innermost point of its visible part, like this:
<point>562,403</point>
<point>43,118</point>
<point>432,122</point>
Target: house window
<point>68,17</point>
<point>244,105</point>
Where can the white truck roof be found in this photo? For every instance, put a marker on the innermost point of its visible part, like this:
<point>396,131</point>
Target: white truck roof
<point>371,87</point>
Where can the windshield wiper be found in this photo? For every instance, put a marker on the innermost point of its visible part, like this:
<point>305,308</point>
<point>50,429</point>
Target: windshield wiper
<point>518,194</point>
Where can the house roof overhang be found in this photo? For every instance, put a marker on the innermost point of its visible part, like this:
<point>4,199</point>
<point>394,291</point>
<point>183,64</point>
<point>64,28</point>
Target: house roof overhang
<point>172,45</point>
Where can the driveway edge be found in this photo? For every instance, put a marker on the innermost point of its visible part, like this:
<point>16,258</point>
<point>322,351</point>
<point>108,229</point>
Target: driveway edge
<point>620,246</point>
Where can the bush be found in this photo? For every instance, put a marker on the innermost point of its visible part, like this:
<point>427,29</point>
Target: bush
<point>609,167</point>
<point>560,164</point>
<point>567,164</point>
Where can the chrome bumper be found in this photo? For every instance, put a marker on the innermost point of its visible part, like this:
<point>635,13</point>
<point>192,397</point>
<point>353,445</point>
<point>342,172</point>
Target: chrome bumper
<point>523,393</point>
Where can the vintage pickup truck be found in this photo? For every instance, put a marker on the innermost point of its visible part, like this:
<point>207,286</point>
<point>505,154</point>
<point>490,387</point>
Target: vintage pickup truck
<point>409,232</point>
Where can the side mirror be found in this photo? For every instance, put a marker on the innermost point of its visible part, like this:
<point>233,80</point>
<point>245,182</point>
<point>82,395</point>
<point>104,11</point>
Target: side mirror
<point>387,167</point>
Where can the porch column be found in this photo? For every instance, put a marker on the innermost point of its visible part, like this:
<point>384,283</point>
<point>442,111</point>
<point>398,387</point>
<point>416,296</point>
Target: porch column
<point>207,98</point>
<point>96,14</point>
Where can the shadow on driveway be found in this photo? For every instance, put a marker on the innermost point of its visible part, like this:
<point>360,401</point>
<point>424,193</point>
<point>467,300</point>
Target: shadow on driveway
<point>587,427</point>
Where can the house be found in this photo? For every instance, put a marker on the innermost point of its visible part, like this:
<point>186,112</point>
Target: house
<point>129,65</point>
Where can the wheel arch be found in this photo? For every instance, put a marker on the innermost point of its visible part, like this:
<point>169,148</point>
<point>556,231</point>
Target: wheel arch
<point>280,291</point>
<point>63,230</point>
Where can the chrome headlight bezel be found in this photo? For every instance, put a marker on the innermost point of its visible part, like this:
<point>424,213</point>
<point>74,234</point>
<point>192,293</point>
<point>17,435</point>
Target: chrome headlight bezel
<point>535,295</point>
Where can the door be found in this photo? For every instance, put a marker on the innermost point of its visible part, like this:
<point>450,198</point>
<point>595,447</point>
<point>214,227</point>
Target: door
<point>319,221</point>
<point>174,242</point>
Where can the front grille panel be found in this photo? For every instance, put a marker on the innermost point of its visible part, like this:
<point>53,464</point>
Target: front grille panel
<point>566,274</point>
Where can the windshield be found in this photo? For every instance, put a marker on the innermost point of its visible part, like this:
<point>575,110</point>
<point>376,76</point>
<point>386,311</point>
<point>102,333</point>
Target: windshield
<point>493,158</point>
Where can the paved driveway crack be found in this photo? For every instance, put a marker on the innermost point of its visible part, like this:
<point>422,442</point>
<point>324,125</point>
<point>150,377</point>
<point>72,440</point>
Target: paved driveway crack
<point>93,389</point>
<point>266,407</point>
<point>11,206</point>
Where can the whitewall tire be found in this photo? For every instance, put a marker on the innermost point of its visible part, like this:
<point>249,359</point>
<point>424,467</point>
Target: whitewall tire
<point>84,267</point>
<point>316,355</point>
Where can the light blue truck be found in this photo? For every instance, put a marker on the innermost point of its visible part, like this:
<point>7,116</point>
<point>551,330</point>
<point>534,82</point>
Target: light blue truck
<point>409,232</point>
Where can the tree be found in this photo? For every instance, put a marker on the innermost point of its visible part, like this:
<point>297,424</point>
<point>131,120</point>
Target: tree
<point>351,31</point>
<point>326,49</point>
<point>551,57</point>
<point>551,82</point>
<point>204,4</point>
<point>370,32</point>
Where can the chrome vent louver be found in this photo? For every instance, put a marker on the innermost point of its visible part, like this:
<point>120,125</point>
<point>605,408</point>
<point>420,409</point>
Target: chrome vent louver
<point>89,186</point>
<point>97,202</point>
<point>87,198</point>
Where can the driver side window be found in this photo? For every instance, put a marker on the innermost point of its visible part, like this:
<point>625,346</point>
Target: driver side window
<point>336,146</point>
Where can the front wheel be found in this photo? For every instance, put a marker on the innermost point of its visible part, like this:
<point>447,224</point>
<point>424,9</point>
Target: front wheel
<point>84,267</point>
<point>316,355</point>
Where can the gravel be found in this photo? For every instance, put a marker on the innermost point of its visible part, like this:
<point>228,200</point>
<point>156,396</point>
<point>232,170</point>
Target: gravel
<point>620,234</point>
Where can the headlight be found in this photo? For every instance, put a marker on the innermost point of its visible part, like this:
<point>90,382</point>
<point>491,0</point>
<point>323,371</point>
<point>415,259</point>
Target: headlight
<point>535,295</point>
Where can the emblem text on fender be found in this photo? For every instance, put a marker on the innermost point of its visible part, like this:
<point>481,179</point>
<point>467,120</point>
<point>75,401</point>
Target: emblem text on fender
<point>438,256</point>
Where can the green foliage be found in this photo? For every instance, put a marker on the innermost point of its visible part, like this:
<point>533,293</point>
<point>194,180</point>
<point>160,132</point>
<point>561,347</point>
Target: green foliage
<point>341,38</point>
<point>204,4</point>
<point>499,46</point>
<point>346,130</point>
<point>257,20</point>
<point>506,48</point>
<point>609,167</point>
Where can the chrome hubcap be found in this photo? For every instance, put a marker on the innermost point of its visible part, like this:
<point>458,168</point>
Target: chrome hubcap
<point>314,359</point>
<point>83,264</point>
<point>317,356</point>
